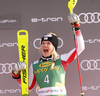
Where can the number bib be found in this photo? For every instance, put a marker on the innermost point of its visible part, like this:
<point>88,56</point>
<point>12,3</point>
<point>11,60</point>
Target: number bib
<point>48,77</point>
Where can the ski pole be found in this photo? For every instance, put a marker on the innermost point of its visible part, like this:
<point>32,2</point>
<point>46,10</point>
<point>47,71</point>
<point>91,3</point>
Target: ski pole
<point>71,5</point>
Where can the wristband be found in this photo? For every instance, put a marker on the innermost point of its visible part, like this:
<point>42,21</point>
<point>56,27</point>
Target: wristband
<point>16,76</point>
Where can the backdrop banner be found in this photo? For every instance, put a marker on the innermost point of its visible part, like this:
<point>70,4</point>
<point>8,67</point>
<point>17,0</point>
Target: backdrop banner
<point>42,16</point>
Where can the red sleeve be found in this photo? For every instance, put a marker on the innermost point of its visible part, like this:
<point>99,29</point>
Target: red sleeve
<point>68,61</point>
<point>33,83</point>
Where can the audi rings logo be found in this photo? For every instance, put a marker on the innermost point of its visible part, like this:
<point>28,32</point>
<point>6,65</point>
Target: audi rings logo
<point>37,42</point>
<point>90,64</point>
<point>6,68</point>
<point>89,17</point>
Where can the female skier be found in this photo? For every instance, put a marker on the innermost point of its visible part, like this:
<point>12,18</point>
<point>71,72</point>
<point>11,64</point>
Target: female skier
<point>49,71</point>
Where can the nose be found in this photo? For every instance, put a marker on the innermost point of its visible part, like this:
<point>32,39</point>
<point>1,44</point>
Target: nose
<point>45,45</point>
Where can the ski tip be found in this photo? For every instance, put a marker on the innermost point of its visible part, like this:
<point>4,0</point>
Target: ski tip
<point>22,32</point>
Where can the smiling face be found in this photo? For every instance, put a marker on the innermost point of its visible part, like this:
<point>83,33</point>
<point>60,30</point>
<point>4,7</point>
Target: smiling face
<point>47,48</point>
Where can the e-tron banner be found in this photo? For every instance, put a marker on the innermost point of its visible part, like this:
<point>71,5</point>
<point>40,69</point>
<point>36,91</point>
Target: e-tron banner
<point>10,21</point>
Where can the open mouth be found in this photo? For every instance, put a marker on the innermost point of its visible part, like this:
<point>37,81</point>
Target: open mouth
<point>45,50</point>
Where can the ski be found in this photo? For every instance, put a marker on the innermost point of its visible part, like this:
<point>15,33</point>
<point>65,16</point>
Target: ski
<point>22,37</point>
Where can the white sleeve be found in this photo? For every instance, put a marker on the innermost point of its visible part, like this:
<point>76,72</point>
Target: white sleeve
<point>32,79</point>
<point>31,75</point>
<point>80,45</point>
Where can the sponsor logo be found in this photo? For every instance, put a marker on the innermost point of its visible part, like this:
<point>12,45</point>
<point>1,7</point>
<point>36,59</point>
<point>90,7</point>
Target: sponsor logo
<point>23,53</point>
<point>24,58</point>
<point>90,65</point>
<point>24,76</point>
<point>92,41</point>
<point>6,68</point>
<point>55,90</point>
<point>45,69</point>
<point>46,64</point>
<point>41,70</point>
<point>89,17</point>
<point>8,21</point>
<point>6,91</point>
<point>91,88</point>
<point>53,19</point>
<point>8,44</point>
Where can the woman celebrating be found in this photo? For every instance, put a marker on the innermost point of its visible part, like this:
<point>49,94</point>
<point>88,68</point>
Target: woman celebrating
<point>49,71</point>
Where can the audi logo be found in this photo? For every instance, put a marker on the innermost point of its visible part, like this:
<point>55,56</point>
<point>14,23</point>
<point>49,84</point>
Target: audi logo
<point>90,64</point>
<point>89,17</point>
<point>6,68</point>
<point>37,43</point>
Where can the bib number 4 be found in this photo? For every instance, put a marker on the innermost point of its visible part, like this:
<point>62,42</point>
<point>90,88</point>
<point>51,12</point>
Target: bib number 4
<point>46,79</point>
